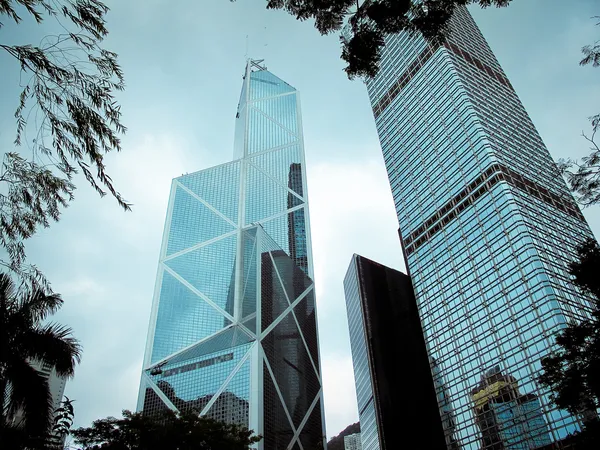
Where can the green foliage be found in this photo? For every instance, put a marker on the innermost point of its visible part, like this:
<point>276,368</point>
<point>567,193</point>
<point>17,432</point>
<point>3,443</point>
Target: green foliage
<point>167,431</point>
<point>26,337</point>
<point>33,197</point>
<point>572,372</point>
<point>583,176</point>
<point>591,53</point>
<point>67,104</point>
<point>370,21</point>
<point>63,418</point>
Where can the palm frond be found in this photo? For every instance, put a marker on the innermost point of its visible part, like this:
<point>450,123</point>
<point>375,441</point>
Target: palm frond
<point>37,305</point>
<point>7,291</point>
<point>55,345</point>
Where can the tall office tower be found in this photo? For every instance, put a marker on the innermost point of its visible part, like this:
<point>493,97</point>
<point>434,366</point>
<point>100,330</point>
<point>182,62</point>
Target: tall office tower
<point>233,330</point>
<point>395,390</point>
<point>487,224</point>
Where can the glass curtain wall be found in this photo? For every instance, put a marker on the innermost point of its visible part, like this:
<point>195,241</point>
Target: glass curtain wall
<point>488,228</point>
<point>233,331</point>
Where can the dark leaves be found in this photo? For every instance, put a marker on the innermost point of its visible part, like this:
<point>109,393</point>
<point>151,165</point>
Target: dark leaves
<point>75,121</point>
<point>362,51</point>
<point>572,372</point>
<point>586,269</point>
<point>136,431</point>
<point>371,20</point>
<point>591,53</point>
<point>63,418</point>
<point>24,339</point>
<point>389,16</point>
<point>583,176</point>
<point>34,197</point>
<point>29,391</point>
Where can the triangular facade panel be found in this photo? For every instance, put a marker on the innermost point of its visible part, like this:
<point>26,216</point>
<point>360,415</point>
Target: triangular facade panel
<point>192,223</point>
<point>218,186</point>
<point>278,229</point>
<point>310,437</point>
<point>250,323</point>
<point>292,368</point>
<point>265,133</point>
<point>294,280</point>
<point>249,299</point>
<point>152,403</point>
<point>264,84</point>
<point>307,320</point>
<point>216,284</point>
<point>283,108</point>
<point>191,384</point>
<point>233,404</point>
<point>285,165</point>
<point>264,196</point>
<point>279,431</point>
<point>183,318</point>
<point>273,299</point>
<point>228,338</point>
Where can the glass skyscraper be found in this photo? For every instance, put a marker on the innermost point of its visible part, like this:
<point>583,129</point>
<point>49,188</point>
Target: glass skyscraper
<point>488,227</point>
<point>395,391</point>
<point>233,330</point>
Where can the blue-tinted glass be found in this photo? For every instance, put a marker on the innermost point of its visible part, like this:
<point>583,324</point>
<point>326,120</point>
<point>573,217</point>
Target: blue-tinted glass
<point>183,318</point>
<point>232,405</point>
<point>215,284</point>
<point>192,223</point>
<point>281,109</point>
<point>488,227</point>
<point>264,84</point>
<point>235,257</point>
<point>219,187</point>
<point>258,205</point>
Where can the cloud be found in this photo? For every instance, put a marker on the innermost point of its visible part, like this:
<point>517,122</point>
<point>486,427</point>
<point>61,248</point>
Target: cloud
<point>351,211</point>
<point>339,394</point>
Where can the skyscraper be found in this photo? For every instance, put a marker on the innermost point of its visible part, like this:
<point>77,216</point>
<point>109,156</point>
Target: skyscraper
<point>395,391</point>
<point>233,329</point>
<point>487,223</point>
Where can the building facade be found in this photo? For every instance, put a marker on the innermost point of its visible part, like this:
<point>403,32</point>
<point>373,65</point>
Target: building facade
<point>395,389</point>
<point>352,442</point>
<point>487,225</point>
<point>56,386</point>
<point>233,331</point>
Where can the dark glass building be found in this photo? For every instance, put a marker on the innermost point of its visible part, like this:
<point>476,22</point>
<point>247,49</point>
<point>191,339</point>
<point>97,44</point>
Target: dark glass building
<point>396,393</point>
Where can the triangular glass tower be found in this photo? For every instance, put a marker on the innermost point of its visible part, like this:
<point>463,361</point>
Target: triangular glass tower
<point>233,331</point>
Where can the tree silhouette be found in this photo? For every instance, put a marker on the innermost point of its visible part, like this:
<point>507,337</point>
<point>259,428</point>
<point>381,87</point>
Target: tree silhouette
<point>68,110</point>
<point>583,176</point>
<point>24,338</point>
<point>166,431</point>
<point>572,372</point>
<point>370,21</point>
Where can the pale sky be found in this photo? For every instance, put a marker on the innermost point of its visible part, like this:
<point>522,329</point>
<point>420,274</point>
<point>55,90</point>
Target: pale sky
<point>183,63</point>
